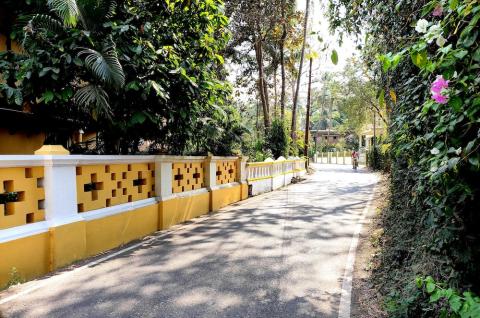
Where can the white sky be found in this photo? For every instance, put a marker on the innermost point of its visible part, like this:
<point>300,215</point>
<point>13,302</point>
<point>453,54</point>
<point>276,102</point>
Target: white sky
<point>318,23</point>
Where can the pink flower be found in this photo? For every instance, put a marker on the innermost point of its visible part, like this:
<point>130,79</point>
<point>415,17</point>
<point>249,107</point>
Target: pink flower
<point>439,84</point>
<point>438,90</point>
<point>440,98</point>
<point>438,11</point>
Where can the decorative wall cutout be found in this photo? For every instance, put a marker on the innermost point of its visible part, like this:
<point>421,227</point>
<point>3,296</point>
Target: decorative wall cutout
<point>22,197</point>
<point>226,172</point>
<point>101,186</point>
<point>188,176</point>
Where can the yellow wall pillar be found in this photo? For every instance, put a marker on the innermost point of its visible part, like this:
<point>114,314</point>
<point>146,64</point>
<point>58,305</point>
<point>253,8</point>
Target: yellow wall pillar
<point>68,243</point>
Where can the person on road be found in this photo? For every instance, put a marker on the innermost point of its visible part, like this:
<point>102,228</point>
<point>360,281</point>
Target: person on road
<point>355,157</point>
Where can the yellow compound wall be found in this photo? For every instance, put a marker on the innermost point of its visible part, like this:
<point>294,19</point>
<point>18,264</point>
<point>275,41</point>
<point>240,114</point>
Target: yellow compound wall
<point>188,176</point>
<point>101,186</point>
<point>94,232</point>
<point>28,256</point>
<point>27,184</point>
<point>181,209</point>
<point>226,172</point>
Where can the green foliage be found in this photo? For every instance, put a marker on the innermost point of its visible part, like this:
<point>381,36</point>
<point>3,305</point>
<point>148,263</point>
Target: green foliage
<point>137,72</point>
<point>334,57</point>
<point>8,197</point>
<point>449,301</point>
<point>277,139</point>
<point>379,158</point>
<point>256,150</point>
<point>431,227</point>
<point>15,278</point>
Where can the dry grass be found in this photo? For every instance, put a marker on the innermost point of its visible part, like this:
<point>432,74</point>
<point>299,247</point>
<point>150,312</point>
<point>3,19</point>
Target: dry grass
<point>366,301</point>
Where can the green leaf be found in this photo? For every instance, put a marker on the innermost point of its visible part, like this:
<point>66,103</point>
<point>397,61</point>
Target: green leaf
<point>18,97</point>
<point>456,103</point>
<point>396,59</point>
<point>435,296</point>
<point>455,303</point>
<point>158,89</point>
<point>460,54</point>
<point>453,4</point>
<point>419,282</point>
<point>95,98</point>
<point>105,65</point>
<point>474,161</point>
<point>220,58</point>
<point>476,55</point>
<point>48,96</point>
<point>470,146</point>
<point>334,57</point>
<point>419,58</point>
<point>67,10</point>
<point>138,118</point>
<point>381,98</point>
<point>468,37</point>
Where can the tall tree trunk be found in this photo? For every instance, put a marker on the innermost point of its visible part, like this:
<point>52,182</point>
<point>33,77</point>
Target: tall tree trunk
<point>262,87</point>
<point>297,91</point>
<point>275,105</point>
<point>265,90</point>
<point>282,61</point>
<point>307,121</point>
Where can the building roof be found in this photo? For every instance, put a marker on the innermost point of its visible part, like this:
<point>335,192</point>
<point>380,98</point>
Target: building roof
<point>325,132</point>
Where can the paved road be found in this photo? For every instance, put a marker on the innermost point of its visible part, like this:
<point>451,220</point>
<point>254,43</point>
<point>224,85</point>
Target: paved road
<point>282,254</point>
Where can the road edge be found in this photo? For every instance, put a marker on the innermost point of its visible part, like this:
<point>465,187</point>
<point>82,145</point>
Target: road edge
<point>345,306</point>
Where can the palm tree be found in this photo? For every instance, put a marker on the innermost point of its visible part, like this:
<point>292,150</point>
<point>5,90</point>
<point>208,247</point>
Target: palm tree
<point>100,58</point>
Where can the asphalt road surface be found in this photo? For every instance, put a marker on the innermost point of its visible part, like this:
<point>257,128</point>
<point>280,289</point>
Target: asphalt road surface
<point>281,254</point>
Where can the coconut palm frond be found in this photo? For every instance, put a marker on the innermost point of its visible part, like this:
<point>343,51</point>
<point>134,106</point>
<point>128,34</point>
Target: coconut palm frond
<point>93,13</point>
<point>109,7</point>
<point>104,65</point>
<point>67,10</point>
<point>44,22</point>
<point>95,99</point>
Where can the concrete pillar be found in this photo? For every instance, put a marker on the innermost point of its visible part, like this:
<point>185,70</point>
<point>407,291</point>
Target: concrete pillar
<point>242,176</point>
<point>67,229</point>
<point>163,178</point>
<point>211,173</point>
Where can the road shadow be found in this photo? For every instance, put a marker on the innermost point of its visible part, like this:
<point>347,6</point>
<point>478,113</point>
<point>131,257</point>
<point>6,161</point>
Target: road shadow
<point>261,259</point>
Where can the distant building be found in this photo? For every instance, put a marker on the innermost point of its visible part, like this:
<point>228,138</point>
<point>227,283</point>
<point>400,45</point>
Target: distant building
<point>367,139</point>
<point>329,137</point>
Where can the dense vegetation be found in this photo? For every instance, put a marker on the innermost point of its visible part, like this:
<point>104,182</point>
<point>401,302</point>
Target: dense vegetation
<point>426,55</point>
<point>141,74</point>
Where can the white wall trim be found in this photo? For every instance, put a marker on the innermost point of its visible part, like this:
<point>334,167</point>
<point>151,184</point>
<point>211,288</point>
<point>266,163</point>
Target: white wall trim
<point>224,186</point>
<point>22,231</point>
<point>117,209</point>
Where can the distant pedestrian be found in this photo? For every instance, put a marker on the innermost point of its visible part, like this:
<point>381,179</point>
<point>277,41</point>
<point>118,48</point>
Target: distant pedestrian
<point>355,157</point>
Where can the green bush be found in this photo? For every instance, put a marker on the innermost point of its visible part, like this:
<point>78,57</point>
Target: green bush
<point>379,158</point>
<point>277,139</point>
